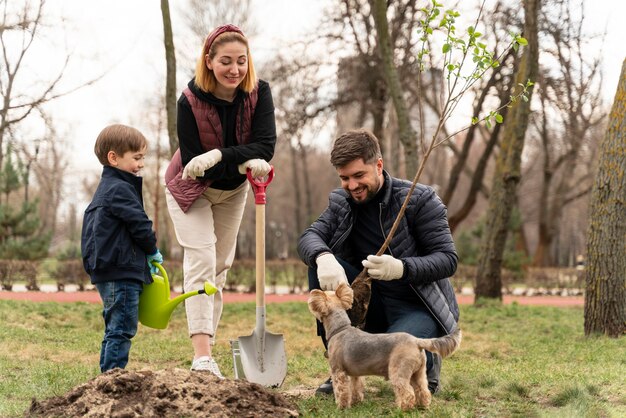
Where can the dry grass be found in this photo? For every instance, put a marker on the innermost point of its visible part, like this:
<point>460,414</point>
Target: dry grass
<point>514,360</point>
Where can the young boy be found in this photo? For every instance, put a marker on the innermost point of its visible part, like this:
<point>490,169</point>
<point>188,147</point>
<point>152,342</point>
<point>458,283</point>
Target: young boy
<point>118,244</point>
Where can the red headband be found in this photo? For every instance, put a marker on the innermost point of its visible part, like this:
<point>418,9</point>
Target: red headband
<point>217,32</point>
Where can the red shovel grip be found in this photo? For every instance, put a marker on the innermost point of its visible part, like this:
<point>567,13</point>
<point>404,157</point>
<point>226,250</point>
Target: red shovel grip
<point>259,186</point>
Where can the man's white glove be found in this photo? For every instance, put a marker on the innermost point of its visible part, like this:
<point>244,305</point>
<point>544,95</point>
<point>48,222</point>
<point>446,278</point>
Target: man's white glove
<point>257,166</point>
<point>329,272</point>
<point>200,163</point>
<point>383,267</point>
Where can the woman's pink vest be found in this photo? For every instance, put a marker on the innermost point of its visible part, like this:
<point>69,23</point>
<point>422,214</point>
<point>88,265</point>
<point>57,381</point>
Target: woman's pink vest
<point>185,192</point>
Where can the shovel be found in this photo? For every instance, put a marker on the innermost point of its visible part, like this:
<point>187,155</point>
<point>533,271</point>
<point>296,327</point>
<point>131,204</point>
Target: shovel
<point>260,357</point>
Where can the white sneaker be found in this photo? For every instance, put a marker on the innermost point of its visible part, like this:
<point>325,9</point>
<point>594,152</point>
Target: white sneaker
<point>206,363</point>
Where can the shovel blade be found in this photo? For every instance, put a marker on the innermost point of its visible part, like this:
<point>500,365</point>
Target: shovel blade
<point>263,358</point>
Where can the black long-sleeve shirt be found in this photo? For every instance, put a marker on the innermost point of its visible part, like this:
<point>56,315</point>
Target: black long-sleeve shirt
<point>224,174</point>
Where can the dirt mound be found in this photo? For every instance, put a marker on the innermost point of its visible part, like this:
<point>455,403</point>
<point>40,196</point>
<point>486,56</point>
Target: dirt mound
<point>162,393</point>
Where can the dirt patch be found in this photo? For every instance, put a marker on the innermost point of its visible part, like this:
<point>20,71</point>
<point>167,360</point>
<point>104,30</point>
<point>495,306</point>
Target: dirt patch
<point>165,393</point>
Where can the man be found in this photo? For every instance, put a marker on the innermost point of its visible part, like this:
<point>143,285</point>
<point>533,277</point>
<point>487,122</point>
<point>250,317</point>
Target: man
<point>411,291</point>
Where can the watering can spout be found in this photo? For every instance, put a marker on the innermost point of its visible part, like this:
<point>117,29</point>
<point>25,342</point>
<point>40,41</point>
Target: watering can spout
<point>208,290</point>
<point>155,305</point>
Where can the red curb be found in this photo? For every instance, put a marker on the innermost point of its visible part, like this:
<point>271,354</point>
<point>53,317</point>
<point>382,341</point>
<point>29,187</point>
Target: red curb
<point>93,297</point>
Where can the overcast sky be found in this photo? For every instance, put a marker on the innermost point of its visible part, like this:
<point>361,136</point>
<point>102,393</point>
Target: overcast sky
<point>125,38</point>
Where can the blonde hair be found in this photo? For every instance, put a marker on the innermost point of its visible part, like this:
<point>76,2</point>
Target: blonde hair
<point>119,139</point>
<point>205,79</point>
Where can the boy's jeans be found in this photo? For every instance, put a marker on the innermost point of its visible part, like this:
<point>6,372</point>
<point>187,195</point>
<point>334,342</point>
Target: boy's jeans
<point>120,299</point>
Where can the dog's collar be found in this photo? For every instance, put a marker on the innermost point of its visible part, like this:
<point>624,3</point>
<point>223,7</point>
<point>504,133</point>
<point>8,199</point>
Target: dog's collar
<point>338,330</point>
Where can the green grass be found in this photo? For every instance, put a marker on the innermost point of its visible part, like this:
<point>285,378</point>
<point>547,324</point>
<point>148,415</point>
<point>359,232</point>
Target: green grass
<point>515,361</point>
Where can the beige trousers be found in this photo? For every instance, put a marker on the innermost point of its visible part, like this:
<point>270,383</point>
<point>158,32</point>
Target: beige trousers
<point>208,235</point>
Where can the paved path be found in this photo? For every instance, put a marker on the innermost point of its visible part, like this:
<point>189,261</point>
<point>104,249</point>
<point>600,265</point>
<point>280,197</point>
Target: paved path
<point>93,297</point>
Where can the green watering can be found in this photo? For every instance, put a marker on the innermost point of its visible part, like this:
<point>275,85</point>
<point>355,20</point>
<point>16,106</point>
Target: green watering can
<point>155,305</point>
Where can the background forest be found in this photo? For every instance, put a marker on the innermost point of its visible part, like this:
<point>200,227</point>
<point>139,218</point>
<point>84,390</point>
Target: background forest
<point>325,80</point>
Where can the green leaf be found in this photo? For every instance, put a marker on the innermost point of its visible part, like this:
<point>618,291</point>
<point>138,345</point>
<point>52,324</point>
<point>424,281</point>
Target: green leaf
<point>446,48</point>
<point>450,67</point>
<point>499,118</point>
<point>522,41</point>
<point>474,120</point>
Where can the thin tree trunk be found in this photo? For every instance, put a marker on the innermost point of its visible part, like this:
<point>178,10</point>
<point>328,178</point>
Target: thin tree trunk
<point>405,130</point>
<point>605,296</point>
<point>297,187</point>
<point>170,78</point>
<point>508,168</point>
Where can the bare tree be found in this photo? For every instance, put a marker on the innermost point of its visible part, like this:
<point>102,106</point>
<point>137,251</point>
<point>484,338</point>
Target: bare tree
<point>50,166</point>
<point>406,134</point>
<point>508,167</point>
<point>571,105</point>
<point>170,76</point>
<point>605,297</point>
<point>20,24</point>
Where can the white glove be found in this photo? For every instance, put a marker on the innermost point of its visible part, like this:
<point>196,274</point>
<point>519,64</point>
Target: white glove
<point>383,267</point>
<point>329,272</point>
<point>257,166</point>
<point>200,163</point>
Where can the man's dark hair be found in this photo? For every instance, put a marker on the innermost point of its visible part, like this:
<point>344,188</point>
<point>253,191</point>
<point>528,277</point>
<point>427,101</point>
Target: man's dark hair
<point>355,144</point>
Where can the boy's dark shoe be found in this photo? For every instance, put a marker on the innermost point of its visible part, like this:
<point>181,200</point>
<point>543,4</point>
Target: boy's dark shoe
<point>325,388</point>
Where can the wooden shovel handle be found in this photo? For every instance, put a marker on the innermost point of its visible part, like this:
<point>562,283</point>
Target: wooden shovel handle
<point>259,187</point>
<point>260,256</point>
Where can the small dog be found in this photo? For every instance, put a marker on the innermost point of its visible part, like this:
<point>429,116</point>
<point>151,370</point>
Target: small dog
<point>353,353</point>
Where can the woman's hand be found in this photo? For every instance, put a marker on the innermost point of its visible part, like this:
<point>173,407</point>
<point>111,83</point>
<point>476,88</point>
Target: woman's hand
<point>199,164</point>
<point>257,166</point>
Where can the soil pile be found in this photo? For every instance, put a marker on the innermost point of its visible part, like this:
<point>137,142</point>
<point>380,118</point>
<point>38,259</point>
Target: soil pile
<point>165,393</point>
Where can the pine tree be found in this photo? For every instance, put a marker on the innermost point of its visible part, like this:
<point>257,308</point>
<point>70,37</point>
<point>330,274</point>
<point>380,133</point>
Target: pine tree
<point>19,222</point>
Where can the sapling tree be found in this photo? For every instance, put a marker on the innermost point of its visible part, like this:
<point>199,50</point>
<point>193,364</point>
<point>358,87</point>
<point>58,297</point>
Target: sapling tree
<point>465,60</point>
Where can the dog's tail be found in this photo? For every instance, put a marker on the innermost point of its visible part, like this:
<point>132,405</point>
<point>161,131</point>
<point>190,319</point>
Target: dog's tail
<point>444,346</point>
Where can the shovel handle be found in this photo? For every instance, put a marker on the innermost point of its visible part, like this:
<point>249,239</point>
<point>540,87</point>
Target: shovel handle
<point>259,186</point>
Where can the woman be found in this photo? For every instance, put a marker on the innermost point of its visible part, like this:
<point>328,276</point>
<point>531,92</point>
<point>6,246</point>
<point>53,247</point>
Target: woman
<point>225,126</point>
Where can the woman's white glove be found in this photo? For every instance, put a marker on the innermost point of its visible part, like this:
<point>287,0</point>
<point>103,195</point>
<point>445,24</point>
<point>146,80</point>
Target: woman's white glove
<point>257,166</point>
<point>383,267</point>
<point>329,272</point>
<point>200,163</point>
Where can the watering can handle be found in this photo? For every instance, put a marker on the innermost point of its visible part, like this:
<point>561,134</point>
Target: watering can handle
<point>161,270</point>
<point>259,186</point>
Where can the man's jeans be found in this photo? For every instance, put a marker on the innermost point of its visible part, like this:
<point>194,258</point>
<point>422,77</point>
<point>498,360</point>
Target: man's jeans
<point>120,299</point>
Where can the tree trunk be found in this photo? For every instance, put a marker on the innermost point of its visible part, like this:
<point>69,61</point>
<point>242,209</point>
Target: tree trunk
<point>508,168</point>
<point>605,296</point>
<point>170,77</point>
<point>405,130</point>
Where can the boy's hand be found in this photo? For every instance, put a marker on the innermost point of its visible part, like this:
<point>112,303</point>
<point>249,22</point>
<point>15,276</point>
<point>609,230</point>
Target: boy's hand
<point>156,257</point>
<point>200,163</point>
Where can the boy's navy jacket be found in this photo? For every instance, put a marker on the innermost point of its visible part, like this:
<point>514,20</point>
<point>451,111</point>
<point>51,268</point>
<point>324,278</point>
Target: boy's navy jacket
<point>117,234</point>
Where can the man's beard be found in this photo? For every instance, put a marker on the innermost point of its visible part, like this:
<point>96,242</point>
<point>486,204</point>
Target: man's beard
<point>369,195</point>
